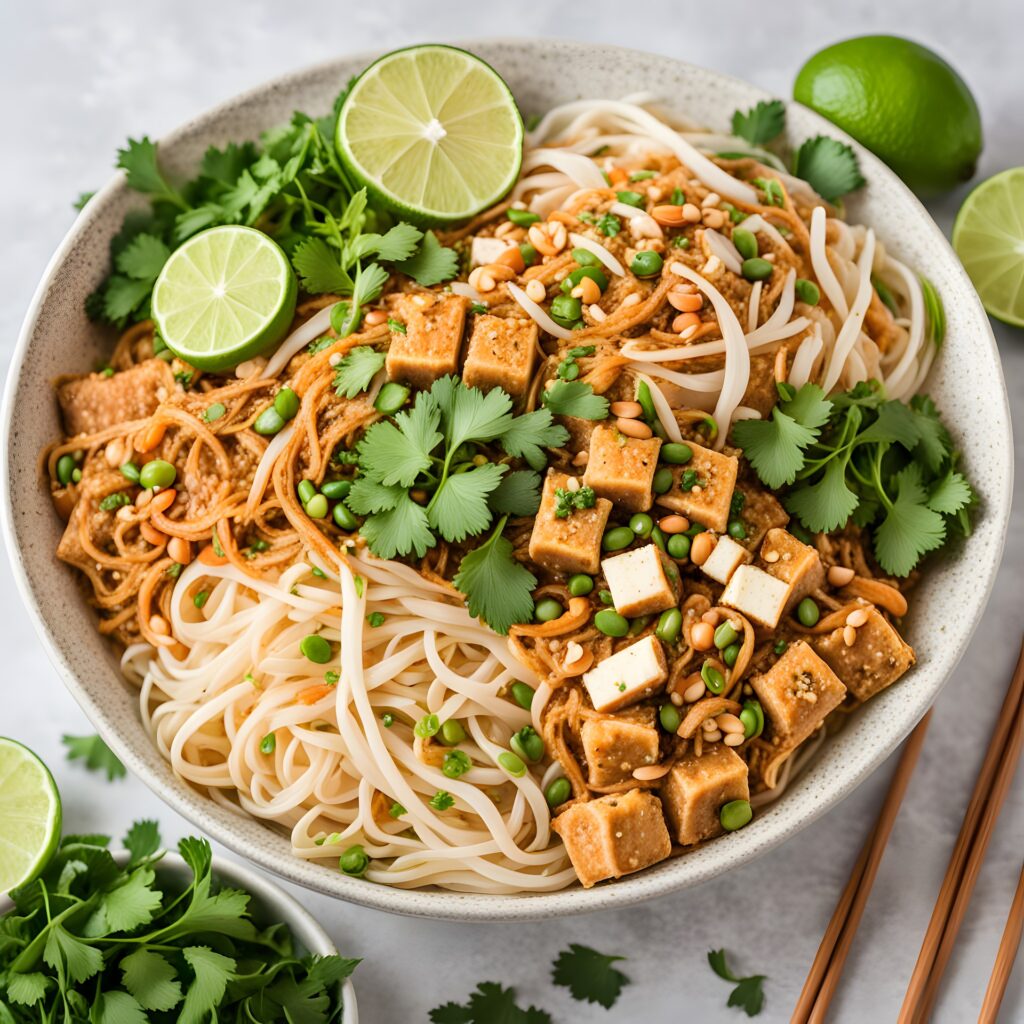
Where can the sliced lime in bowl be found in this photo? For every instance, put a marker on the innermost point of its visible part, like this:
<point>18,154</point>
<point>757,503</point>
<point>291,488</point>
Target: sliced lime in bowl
<point>432,132</point>
<point>224,296</point>
<point>30,815</point>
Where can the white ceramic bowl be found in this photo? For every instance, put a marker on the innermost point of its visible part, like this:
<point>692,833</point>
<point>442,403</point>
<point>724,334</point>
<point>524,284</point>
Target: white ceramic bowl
<point>270,904</point>
<point>967,383</point>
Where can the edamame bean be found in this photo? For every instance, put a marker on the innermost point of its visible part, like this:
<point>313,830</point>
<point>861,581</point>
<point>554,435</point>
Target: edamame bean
<point>641,524</point>
<point>725,635</point>
<point>745,242</point>
<point>713,679</point>
<point>670,625</point>
<point>662,481</point>
<point>676,454</point>
<point>354,861</point>
<point>617,538</point>
<point>316,507</point>
<point>756,269</point>
<point>306,490</point>
<point>737,530</point>
<point>527,744</point>
<point>286,403</point>
<point>679,546</point>
<point>670,717</point>
<point>157,473</point>
<point>65,468</point>
<point>343,517</point>
<point>580,585</point>
<point>336,489</point>
<point>268,422</point>
<point>807,291</point>
<point>735,814</point>
<point>522,218</point>
<point>646,263</point>
<point>452,732</point>
<point>391,398</point>
<point>315,648</point>
<point>522,694</point>
<point>559,790</point>
<point>512,764</point>
<point>730,654</point>
<point>547,610</point>
<point>130,472</point>
<point>752,717</point>
<point>807,612</point>
<point>611,623</point>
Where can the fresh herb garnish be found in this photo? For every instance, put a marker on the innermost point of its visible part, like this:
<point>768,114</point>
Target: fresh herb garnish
<point>490,1003</point>
<point>442,800</point>
<point>567,502</point>
<point>772,189</point>
<point>575,398</point>
<point>748,994</point>
<point>589,975</point>
<point>761,123</point>
<point>356,369</point>
<point>829,166</point>
<point>95,754</point>
<point>609,225</point>
<point>114,501</point>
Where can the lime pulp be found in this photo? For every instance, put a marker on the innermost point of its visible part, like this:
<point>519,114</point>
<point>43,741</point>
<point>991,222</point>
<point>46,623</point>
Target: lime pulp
<point>30,815</point>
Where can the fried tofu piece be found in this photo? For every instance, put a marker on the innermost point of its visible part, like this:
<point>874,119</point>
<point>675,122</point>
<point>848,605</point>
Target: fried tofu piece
<point>796,564</point>
<point>627,676</point>
<point>614,835</point>
<point>797,692</point>
<point>760,512</point>
<point>761,393</point>
<point>877,658</point>
<point>615,746</point>
<point>429,348</point>
<point>572,544</point>
<point>695,790</point>
<point>501,354</point>
<point>622,468</point>
<point>759,596</point>
<point>641,581</point>
<point>96,401</point>
<point>726,557</point>
<point>711,477</point>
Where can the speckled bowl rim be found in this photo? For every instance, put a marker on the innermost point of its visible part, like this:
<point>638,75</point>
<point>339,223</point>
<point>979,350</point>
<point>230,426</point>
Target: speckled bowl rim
<point>848,758</point>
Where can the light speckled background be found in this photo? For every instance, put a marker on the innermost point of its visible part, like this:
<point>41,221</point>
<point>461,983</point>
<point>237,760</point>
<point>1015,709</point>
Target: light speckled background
<point>77,79</point>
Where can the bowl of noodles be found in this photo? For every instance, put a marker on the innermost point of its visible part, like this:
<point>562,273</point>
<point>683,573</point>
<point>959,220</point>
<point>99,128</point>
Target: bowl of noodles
<point>513,610</point>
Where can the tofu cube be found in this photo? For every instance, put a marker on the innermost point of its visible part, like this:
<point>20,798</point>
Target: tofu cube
<point>759,596</point>
<point>795,563</point>
<point>761,511</point>
<point>614,835</point>
<point>711,478</point>
<point>627,676</point>
<point>485,250</point>
<point>725,559</point>
<point>639,581</point>
<point>622,468</point>
<point>797,692</point>
<point>572,544</point>
<point>695,790</point>
<point>615,746</point>
<point>501,354</point>
<point>877,658</point>
<point>429,348</point>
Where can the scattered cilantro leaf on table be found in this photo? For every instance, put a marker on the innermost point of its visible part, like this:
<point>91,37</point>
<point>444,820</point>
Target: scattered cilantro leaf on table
<point>748,994</point>
<point>761,123</point>
<point>829,166</point>
<point>489,1003</point>
<point>589,975</point>
<point>95,754</point>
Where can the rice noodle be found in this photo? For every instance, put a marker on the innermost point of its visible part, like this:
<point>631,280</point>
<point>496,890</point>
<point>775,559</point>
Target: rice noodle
<point>723,248</point>
<point>855,320</point>
<point>822,268</point>
<point>661,407</point>
<point>302,336</point>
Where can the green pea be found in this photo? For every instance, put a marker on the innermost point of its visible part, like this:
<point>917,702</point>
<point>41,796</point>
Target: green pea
<point>76,475</point>
<point>808,612</point>
<point>306,489</point>
<point>670,717</point>
<point>315,648</point>
<point>354,861</point>
<point>580,585</point>
<point>316,507</point>
<point>286,403</point>
<point>646,263</point>
<point>737,530</point>
<point>585,258</point>
<point>336,489</point>
<point>730,654</point>
<point>617,538</point>
<point>611,623</point>
<point>752,717</point>
<point>662,482</point>
<point>735,814</point>
<point>605,597</point>
<point>268,422</point>
<point>745,242</point>
<point>679,546</point>
<point>343,517</point>
<point>725,635</point>
<point>641,524</point>
<point>527,744</point>
<point>157,473</point>
<point>529,253</point>
<point>391,398</point>
<point>676,454</point>
<point>427,726</point>
<point>670,625</point>
<point>565,310</point>
<point>65,467</point>
<point>512,764</point>
<point>130,472</point>
<point>596,274</point>
<point>658,536</point>
<point>522,694</point>
<point>807,291</point>
<point>559,790</point>
<point>646,400</point>
<point>452,732</point>
<point>713,679</point>
<point>522,218</point>
<point>548,609</point>
<point>756,269</point>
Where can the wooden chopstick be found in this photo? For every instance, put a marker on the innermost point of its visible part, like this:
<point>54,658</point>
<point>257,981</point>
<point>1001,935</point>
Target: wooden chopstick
<point>962,871</point>
<point>826,971</point>
<point>1004,958</point>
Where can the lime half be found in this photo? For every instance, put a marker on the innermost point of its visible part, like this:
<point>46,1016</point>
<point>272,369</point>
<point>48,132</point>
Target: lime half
<point>433,132</point>
<point>29,815</point>
<point>989,239</point>
<point>224,296</point>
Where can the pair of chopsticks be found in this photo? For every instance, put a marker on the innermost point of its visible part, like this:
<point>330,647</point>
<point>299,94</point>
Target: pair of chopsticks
<point>990,791</point>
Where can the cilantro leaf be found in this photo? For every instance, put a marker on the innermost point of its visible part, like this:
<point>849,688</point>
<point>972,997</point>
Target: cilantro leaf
<point>368,497</point>
<point>527,435</point>
<point>950,494</point>
<point>490,1003</point>
<point>69,956</point>
<point>212,972</point>
<point>910,528</point>
<point>151,979</point>
<point>518,494</point>
<point>762,123</point>
<point>774,447</point>
<point>497,587</point>
<point>575,398</point>
<point>356,370</point>
<point>469,414</point>
<point>934,439</point>
<point>138,161</point>
<point>460,508</point>
<point>399,530</point>
<point>143,258</point>
<point>123,296</point>
<point>83,198</point>
<point>748,994</point>
<point>396,453</point>
<point>830,167</point>
<point>589,975</point>
<point>96,755</point>
<point>395,245</point>
<point>432,263</point>
<point>369,283</point>
<point>826,504</point>
<point>225,165</point>
<point>113,1007</point>
<point>142,840</point>
<point>319,269</point>
<point>127,905</point>
<point>27,989</point>
<point>895,423</point>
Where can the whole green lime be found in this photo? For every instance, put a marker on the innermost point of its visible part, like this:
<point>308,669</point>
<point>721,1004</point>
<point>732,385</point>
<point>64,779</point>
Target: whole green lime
<point>901,101</point>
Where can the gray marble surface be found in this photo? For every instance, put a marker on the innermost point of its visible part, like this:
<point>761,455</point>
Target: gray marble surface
<point>76,78</point>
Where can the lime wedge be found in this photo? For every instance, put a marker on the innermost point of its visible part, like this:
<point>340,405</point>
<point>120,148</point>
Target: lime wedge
<point>29,815</point>
<point>433,132</point>
<point>224,296</point>
<point>989,239</point>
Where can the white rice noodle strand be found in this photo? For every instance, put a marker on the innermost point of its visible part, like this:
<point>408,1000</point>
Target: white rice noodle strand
<point>661,407</point>
<point>822,268</point>
<point>853,323</point>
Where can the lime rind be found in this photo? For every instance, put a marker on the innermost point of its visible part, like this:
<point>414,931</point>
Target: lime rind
<point>433,132</point>
<point>30,815</point>
<point>988,236</point>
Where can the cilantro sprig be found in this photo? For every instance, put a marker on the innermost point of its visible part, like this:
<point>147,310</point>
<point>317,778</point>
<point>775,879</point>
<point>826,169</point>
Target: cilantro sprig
<point>761,123</point>
<point>748,994</point>
<point>95,755</point>
<point>489,1003</point>
<point>829,166</point>
<point>589,975</point>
